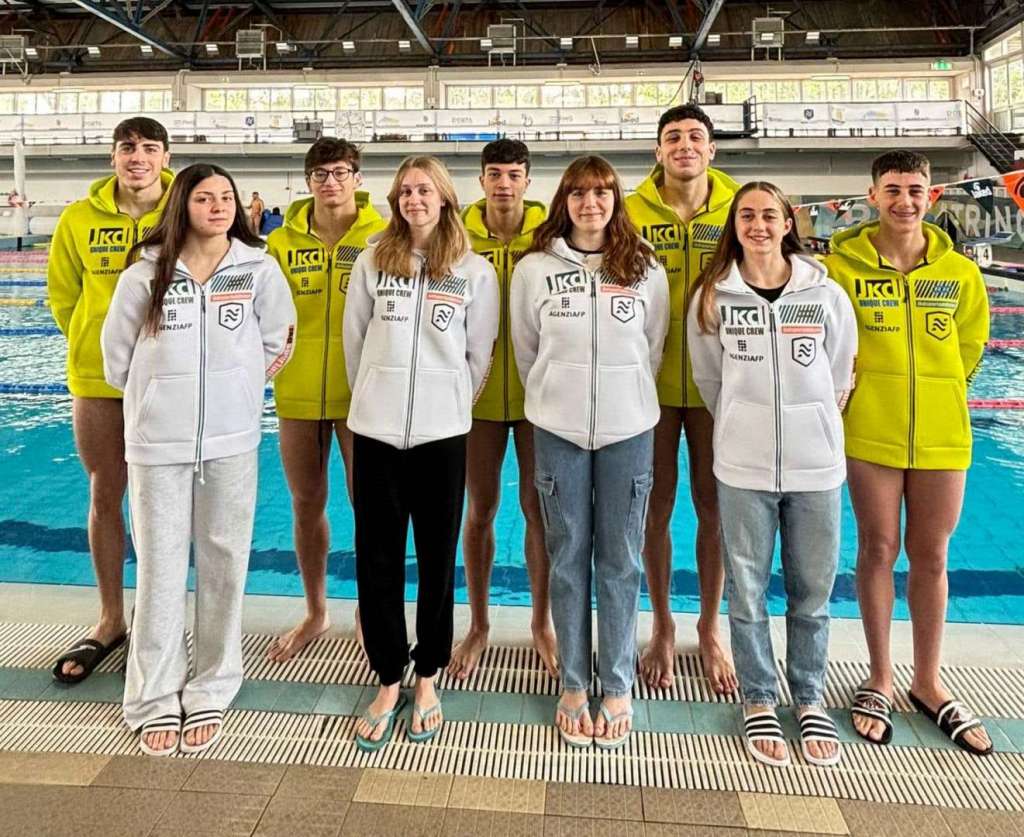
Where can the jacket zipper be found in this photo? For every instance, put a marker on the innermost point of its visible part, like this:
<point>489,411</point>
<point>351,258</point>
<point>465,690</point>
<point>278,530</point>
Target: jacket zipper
<point>909,313</point>
<point>505,291</point>
<point>778,398</point>
<point>415,352</point>
<point>327,338</point>
<point>202,375</point>
<point>593,358</point>
<point>685,230</point>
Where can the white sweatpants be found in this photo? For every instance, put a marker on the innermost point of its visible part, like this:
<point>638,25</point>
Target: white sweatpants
<point>172,510</point>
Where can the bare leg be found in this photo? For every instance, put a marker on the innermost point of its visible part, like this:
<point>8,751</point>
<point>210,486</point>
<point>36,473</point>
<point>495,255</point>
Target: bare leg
<point>305,450</point>
<point>98,425</point>
<point>485,450</point>
<point>876,493</point>
<point>658,658</point>
<point>345,443</point>
<point>537,564</point>
<point>717,663</point>
<point>934,501</point>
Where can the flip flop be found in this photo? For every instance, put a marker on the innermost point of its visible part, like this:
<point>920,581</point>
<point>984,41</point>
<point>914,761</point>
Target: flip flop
<point>165,723</point>
<point>815,725</point>
<point>202,718</point>
<point>873,704</point>
<point>578,741</point>
<point>88,653</point>
<point>954,718</point>
<point>609,719</point>
<point>368,745</point>
<point>426,734</point>
<point>764,726</point>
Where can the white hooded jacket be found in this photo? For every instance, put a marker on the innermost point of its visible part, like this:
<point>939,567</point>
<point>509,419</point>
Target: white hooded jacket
<point>194,392</point>
<point>418,349</point>
<point>587,348</point>
<point>776,376</point>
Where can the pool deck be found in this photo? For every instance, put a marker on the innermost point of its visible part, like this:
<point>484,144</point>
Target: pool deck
<point>287,765</point>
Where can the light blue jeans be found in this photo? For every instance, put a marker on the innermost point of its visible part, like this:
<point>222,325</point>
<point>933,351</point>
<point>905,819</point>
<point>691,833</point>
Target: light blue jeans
<point>809,524</point>
<point>594,505</point>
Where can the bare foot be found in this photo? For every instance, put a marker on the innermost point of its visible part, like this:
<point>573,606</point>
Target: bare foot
<point>424,697</point>
<point>616,706</point>
<point>105,631</point>
<point>818,749</point>
<point>466,656</point>
<point>386,700</point>
<point>775,750</point>
<point>161,741</point>
<point>572,701</point>
<point>658,660</point>
<point>200,735</point>
<point>934,696</point>
<point>717,664</point>
<point>866,726</point>
<point>545,645</point>
<point>292,643</point>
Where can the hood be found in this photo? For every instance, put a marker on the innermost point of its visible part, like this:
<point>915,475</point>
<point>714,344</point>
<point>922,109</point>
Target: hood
<point>807,272</point>
<point>101,192</point>
<point>238,253</point>
<point>473,218</point>
<point>855,243</point>
<point>299,215</point>
<point>723,188</point>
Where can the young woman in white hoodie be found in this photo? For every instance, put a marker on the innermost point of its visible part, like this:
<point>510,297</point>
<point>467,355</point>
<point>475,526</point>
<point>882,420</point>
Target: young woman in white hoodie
<point>772,340</point>
<point>589,312</point>
<point>420,322</point>
<point>196,327</point>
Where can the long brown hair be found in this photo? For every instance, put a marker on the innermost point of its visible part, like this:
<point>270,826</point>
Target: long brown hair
<point>449,241</point>
<point>626,255</point>
<point>171,232</point>
<point>730,250</point>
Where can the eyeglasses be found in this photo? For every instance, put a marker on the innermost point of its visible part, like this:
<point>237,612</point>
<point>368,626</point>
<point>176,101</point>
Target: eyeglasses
<point>340,174</point>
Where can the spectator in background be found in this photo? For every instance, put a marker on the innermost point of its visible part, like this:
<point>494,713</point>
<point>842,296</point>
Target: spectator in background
<point>272,219</point>
<point>256,210</point>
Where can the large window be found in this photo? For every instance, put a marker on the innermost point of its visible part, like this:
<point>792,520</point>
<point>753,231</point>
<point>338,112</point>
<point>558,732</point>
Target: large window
<point>85,101</point>
<point>1004,77</point>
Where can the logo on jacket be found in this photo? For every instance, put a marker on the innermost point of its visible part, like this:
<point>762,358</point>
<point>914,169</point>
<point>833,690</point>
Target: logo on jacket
<point>230,315</point>
<point>740,316</point>
<point>441,315</point>
<point>806,318</point>
<point>804,350</point>
<point>623,308</point>
<point>108,235</point>
<point>661,233</point>
<point>306,256</point>
<point>937,293</point>
<point>938,324</point>
<point>868,289</point>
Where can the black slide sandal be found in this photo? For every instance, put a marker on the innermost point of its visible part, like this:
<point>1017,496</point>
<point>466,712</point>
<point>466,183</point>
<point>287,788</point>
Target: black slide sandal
<point>954,719</point>
<point>873,704</point>
<point>88,653</point>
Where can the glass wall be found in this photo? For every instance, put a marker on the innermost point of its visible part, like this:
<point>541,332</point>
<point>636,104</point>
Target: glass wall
<point>311,98</point>
<point>1004,80</point>
<point>85,101</point>
<point>826,89</point>
<point>563,95</point>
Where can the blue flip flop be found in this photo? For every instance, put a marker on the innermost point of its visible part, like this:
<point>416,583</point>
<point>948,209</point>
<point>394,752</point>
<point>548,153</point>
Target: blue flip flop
<point>426,734</point>
<point>369,746</point>
<point>610,719</point>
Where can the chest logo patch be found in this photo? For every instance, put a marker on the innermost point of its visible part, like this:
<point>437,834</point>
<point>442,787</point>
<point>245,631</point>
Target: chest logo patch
<point>623,308</point>
<point>804,350</point>
<point>938,324</point>
<point>230,315</point>
<point>441,315</point>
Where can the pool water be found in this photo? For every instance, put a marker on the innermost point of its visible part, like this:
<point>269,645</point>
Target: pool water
<point>43,497</point>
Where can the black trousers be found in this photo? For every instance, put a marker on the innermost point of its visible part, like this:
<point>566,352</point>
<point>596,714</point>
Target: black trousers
<point>426,483</point>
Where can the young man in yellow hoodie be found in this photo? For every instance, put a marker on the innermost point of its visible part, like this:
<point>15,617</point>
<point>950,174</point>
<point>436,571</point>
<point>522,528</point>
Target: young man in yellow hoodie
<point>680,209</point>
<point>316,248</point>
<point>923,321</point>
<point>501,229</point>
<point>87,255</point>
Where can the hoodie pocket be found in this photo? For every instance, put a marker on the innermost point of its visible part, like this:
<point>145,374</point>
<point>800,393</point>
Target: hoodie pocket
<point>745,438</point>
<point>230,406</point>
<point>620,400</point>
<point>378,404</point>
<point>168,410</point>
<point>808,441</point>
<point>565,396</point>
<point>439,404</point>
<point>878,410</point>
<point>943,420</point>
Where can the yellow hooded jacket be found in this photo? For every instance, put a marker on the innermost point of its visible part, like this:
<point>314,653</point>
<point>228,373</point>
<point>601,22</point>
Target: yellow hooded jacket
<point>88,253</point>
<point>921,340</point>
<point>683,249</point>
<point>314,384</point>
<point>503,395</point>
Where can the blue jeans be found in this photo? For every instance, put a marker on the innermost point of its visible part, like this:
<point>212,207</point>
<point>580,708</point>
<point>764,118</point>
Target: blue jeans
<point>809,523</point>
<point>594,505</point>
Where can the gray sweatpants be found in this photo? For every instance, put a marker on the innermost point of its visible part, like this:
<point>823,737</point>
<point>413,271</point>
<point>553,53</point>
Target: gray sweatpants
<point>172,510</point>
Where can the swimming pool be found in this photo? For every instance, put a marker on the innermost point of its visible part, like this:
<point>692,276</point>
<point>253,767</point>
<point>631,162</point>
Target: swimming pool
<point>43,494</point>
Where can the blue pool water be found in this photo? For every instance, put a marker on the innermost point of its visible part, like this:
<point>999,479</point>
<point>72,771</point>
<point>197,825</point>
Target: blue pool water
<point>43,497</point>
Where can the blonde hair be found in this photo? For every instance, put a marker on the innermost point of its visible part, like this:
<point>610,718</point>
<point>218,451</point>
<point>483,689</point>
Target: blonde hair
<point>449,242</point>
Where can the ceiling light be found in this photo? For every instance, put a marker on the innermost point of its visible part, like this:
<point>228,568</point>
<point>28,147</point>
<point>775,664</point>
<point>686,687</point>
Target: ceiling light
<point>404,46</point>
<point>714,40</point>
<point>675,41</point>
<point>212,49</point>
<point>486,43</point>
<point>632,41</point>
<point>348,46</point>
<point>565,43</point>
<point>31,52</point>
<point>814,37</point>
<point>94,51</point>
<point>283,46</point>
<point>145,49</point>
